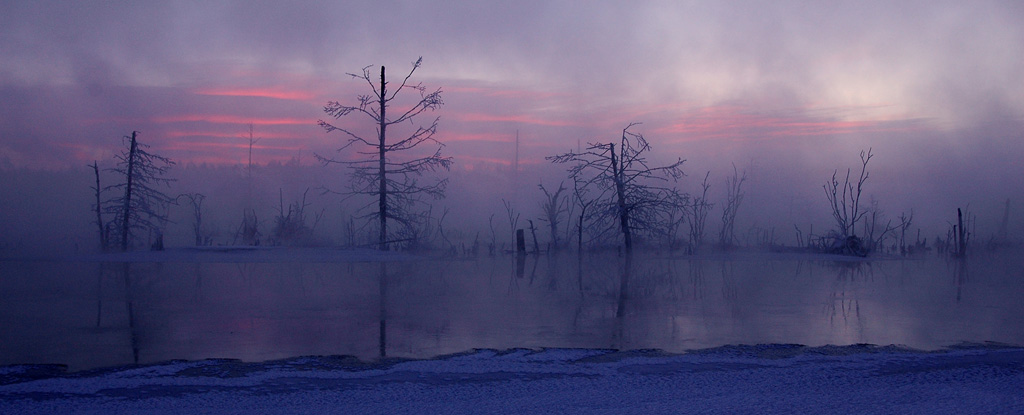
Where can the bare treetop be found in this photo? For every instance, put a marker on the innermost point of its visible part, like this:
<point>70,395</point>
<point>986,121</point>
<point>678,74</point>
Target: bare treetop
<point>395,184</point>
<point>626,186</point>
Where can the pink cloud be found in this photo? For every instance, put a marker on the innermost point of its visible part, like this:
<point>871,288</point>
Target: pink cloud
<point>234,119</point>
<point>239,135</point>
<point>521,119</point>
<point>484,137</point>
<point>259,92</point>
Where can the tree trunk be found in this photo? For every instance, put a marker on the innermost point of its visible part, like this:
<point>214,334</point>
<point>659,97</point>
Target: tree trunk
<point>620,191</point>
<point>579,233</point>
<point>99,208</point>
<point>962,242</point>
<point>382,205</point>
<point>125,223</point>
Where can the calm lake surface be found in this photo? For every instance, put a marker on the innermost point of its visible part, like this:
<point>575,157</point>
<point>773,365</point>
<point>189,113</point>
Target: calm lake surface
<point>93,313</point>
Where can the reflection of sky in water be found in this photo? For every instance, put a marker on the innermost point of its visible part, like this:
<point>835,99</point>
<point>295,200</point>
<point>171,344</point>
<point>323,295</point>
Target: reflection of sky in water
<point>82,314</point>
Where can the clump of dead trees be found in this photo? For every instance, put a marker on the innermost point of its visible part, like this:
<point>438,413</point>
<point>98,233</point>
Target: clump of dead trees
<point>290,226</point>
<point>848,211</point>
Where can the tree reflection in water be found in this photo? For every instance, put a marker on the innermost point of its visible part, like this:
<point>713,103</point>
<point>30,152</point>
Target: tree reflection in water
<point>425,307</point>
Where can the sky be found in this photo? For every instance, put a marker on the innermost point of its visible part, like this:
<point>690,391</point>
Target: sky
<point>788,90</point>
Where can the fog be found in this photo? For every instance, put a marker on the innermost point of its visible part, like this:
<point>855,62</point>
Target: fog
<point>47,211</point>
<point>788,92</point>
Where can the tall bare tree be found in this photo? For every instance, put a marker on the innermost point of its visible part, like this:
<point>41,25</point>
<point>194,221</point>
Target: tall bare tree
<point>392,180</point>
<point>196,201</point>
<point>733,199</point>
<point>98,207</point>
<point>626,187</point>
<point>141,206</point>
<point>844,198</point>
<point>847,211</point>
<point>697,212</point>
<point>554,206</point>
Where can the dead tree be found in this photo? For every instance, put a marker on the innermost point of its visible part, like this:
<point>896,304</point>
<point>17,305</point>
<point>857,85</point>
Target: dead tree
<point>675,219</point>
<point>626,186</point>
<point>554,206</point>
<point>513,217</point>
<point>290,227</point>
<point>733,199</point>
<point>196,201</point>
<point>248,170</point>
<point>697,212</point>
<point>104,234</point>
<point>141,206</point>
<point>960,234</point>
<point>533,232</point>
<point>905,222</point>
<point>844,200</point>
<point>249,229</point>
<point>581,199</point>
<point>392,180</point>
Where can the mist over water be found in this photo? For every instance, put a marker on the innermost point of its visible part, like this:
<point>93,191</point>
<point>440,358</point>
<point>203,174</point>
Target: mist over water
<point>95,314</point>
<point>787,93</point>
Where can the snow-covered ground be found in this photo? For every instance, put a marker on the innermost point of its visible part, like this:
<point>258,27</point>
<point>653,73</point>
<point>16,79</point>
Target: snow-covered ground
<point>732,379</point>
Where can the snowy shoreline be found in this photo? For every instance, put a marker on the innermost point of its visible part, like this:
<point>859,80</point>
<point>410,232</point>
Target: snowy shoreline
<point>970,378</point>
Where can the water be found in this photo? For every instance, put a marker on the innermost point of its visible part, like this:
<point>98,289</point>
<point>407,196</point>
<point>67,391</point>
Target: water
<point>89,314</point>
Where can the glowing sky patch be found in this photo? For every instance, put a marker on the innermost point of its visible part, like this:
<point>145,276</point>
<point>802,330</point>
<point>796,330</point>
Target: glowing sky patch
<point>515,119</point>
<point>243,135</point>
<point>234,119</point>
<point>739,122</point>
<point>263,93</point>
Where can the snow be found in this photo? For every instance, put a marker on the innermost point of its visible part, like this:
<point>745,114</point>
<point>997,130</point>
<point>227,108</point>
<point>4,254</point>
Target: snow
<point>731,379</point>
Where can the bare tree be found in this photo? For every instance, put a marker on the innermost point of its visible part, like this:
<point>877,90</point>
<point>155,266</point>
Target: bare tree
<point>103,229</point>
<point>580,198</point>
<point>844,200</point>
<point>905,222</point>
<point>698,210</point>
<point>554,206</point>
<point>874,234</point>
<point>676,217</point>
<point>625,185</point>
<point>249,229</point>
<point>290,226</point>
<point>141,207</point>
<point>961,236</point>
<point>513,217</point>
<point>392,180</point>
<point>733,199</point>
<point>248,170</point>
<point>196,201</point>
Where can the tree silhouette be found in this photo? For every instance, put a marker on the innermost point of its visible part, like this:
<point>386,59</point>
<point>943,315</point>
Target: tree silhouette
<point>625,186</point>
<point>733,199</point>
<point>141,206</point>
<point>553,206</point>
<point>393,180</point>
